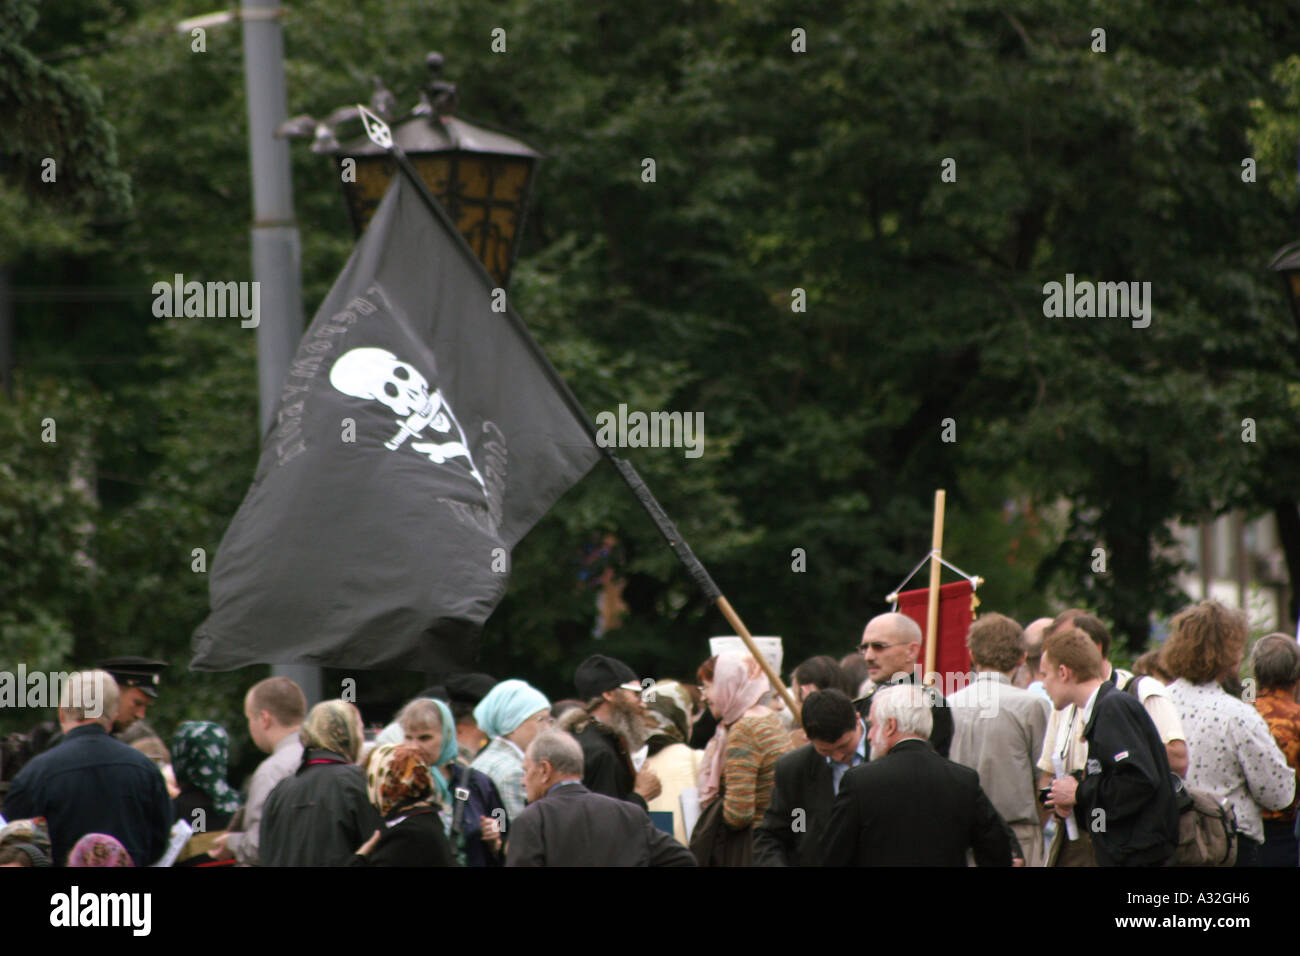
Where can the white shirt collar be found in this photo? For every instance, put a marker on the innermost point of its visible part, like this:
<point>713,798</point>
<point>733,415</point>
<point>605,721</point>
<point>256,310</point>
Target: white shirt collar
<point>1086,714</point>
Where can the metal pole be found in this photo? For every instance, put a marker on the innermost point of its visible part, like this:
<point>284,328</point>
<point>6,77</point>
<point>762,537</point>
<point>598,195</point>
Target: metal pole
<point>277,255</point>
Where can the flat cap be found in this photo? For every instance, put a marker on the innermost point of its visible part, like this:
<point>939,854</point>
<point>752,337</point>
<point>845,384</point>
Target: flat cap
<point>469,688</point>
<point>599,673</point>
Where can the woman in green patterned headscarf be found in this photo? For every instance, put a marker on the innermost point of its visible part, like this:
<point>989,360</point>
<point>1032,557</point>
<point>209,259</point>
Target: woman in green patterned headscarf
<point>199,755</point>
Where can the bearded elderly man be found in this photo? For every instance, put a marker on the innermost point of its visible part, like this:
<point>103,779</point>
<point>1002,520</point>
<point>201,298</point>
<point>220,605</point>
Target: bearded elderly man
<point>565,824</point>
<point>909,806</point>
<point>610,729</point>
<point>891,644</point>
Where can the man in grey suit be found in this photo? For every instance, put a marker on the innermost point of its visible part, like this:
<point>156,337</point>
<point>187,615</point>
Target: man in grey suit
<point>998,729</point>
<point>565,824</point>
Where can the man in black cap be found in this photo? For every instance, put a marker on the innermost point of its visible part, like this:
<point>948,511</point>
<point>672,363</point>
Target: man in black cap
<point>137,679</point>
<point>610,729</point>
<point>462,692</point>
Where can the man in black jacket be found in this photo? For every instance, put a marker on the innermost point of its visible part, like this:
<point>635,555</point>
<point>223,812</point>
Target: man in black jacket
<point>807,780</point>
<point>891,644</point>
<point>1125,797</point>
<point>92,783</point>
<point>322,814</point>
<point>565,824</point>
<point>909,806</point>
<point>610,728</point>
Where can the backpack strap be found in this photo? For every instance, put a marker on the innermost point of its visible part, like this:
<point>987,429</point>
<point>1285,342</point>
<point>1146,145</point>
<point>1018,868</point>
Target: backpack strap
<point>461,793</point>
<point>1131,686</point>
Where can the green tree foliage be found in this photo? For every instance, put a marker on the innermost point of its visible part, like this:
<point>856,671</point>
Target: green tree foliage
<point>49,519</point>
<point>59,160</point>
<point>775,171</point>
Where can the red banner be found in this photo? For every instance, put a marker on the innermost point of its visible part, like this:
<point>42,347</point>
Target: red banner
<point>955,615</point>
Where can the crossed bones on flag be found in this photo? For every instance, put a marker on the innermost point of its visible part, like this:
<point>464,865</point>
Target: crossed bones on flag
<point>378,374</point>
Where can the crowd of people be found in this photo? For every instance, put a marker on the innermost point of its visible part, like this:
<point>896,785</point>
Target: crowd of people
<point>1047,756</point>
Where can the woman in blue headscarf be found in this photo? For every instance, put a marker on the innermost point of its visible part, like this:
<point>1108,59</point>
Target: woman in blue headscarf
<point>512,714</point>
<point>470,806</point>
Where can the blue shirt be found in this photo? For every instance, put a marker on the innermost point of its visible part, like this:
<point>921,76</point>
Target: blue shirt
<point>563,783</point>
<point>859,756</point>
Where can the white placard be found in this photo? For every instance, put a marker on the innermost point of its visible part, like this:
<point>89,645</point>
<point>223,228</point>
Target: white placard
<point>769,647</point>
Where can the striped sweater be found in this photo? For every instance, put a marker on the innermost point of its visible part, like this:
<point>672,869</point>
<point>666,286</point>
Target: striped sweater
<point>754,744</point>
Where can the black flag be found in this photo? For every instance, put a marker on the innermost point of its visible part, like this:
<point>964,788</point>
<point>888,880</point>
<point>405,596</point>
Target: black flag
<point>417,440</point>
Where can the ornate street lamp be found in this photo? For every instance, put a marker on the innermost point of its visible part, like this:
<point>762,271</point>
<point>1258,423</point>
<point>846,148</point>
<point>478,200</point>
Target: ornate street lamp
<point>482,177</point>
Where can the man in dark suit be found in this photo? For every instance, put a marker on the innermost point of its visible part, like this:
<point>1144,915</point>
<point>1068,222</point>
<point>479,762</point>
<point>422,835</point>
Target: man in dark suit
<point>807,781</point>
<point>565,824</point>
<point>891,645</point>
<point>909,806</point>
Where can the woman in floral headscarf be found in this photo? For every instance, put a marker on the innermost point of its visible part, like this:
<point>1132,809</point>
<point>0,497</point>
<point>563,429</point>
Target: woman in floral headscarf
<point>199,753</point>
<point>99,849</point>
<point>471,808</point>
<point>675,764</point>
<point>31,838</point>
<point>401,787</point>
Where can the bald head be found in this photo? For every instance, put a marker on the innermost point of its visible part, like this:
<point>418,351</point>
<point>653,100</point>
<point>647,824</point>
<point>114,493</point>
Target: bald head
<point>892,626</point>
<point>1035,633</point>
<point>890,645</point>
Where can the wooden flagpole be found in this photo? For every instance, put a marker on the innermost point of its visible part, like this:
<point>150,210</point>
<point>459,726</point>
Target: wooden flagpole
<point>932,611</point>
<point>379,133</point>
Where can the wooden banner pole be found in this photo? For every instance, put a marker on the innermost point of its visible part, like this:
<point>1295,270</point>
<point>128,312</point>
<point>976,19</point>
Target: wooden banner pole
<point>932,611</point>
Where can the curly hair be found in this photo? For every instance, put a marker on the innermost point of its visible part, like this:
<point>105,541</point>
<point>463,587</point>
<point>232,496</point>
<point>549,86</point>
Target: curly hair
<point>996,642</point>
<point>1207,640</point>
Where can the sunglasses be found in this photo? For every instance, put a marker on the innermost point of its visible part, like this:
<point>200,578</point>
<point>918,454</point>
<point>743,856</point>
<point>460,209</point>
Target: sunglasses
<point>876,646</point>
